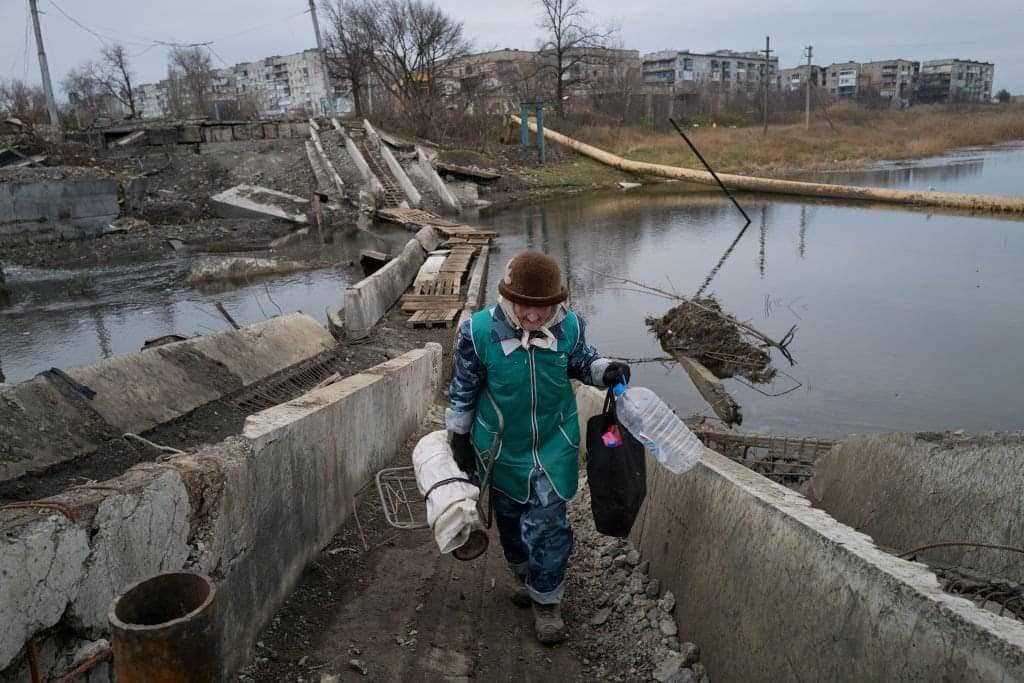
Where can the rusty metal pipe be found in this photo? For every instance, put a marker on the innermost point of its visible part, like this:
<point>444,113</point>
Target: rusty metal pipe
<point>165,630</point>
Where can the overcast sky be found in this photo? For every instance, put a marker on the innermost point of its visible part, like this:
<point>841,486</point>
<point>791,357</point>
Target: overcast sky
<point>244,30</point>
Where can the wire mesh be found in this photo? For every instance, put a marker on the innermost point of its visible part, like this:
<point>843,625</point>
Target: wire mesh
<point>289,383</point>
<point>400,498</point>
<point>782,459</point>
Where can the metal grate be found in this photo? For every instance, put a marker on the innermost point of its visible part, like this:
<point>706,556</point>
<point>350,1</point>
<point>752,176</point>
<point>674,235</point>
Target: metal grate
<point>289,383</point>
<point>400,498</point>
<point>781,459</point>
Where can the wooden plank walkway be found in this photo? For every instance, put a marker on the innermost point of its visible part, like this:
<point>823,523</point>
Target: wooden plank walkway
<point>439,301</point>
<point>421,218</point>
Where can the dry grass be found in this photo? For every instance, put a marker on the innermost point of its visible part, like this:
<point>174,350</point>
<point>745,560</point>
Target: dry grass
<point>860,137</point>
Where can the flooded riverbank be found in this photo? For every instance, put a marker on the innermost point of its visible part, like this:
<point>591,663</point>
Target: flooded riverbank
<point>907,320</point>
<point>66,317</point>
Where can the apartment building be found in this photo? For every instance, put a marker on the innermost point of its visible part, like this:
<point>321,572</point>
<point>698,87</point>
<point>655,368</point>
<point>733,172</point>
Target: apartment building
<point>842,79</point>
<point>275,86</point>
<point>956,80</point>
<point>892,79</point>
<point>797,77</point>
<point>685,71</point>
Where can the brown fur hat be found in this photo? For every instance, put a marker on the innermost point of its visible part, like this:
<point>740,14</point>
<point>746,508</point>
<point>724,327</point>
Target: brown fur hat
<point>533,279</point>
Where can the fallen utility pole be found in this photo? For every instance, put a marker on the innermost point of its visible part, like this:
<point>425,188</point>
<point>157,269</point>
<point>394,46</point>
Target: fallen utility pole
<point>714,175</point>
<point>745,183</point>
<point>44,70</point>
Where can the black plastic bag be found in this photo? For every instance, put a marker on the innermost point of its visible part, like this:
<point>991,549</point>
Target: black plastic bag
<point>617,474</point>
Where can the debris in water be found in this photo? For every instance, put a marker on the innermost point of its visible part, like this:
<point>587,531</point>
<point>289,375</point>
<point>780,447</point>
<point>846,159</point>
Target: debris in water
<point>239,268</point>
<point>698,329</point>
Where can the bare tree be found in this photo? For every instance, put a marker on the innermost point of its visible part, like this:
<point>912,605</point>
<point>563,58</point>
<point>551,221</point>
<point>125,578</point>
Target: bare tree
<point>84,91</point>
<point>415,44</point>
<point>117,76</point>
<point>349,51</point>
<point>572,40</point>
<point>189,82</point>
<point>24,101</point>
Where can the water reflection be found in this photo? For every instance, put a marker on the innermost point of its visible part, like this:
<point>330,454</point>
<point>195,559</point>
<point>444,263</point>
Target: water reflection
<point>995,170</point>
<point>906,321</point>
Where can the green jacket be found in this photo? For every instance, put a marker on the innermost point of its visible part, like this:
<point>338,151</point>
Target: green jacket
<point>519,404</point>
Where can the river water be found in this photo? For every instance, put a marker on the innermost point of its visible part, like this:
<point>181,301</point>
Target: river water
<point>66,318</point>
<point>907,320</point>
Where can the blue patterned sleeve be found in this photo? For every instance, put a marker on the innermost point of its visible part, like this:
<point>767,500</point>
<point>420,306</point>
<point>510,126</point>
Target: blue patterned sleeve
<point>585,364</point>
<point>468,375</point>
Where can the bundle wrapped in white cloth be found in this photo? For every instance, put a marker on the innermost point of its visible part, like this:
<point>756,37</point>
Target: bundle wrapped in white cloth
<point>451,507</point>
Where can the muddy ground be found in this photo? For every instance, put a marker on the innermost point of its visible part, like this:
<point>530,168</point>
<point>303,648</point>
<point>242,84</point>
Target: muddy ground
<point>214,422</point>
<point>381,604</point>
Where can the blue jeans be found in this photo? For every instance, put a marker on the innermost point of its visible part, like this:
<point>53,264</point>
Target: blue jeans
<point>536,538</point>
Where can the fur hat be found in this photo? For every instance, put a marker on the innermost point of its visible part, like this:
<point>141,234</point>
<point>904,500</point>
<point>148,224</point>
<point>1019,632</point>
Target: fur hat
<point>533,279</point>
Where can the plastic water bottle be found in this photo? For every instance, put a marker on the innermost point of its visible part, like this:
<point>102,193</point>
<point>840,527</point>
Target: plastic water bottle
<point>654,425</point>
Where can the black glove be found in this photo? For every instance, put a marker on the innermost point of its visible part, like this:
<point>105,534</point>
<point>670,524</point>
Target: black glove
<point>462,449</point>
<point>615,373</point>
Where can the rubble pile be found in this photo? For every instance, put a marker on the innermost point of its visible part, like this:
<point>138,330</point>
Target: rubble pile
<point>627,628</point>
<point>697,330</point>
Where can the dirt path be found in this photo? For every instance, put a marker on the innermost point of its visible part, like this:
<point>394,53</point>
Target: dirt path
<point>380,604</point>
<point>402,612</point>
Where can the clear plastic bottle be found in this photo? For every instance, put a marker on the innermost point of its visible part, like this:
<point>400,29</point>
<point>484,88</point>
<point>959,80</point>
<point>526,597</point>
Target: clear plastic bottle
<point>654,425</point>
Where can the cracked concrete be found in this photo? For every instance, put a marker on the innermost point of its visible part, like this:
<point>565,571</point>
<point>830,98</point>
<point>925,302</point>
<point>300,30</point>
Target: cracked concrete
<point>41,568</point>
<point>137,534</point>
<point>755,569</point>
<point>250,512</point>
<point>907,491</point>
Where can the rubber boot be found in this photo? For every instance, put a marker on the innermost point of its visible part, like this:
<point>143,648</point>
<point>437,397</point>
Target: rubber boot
<point>548,624</point>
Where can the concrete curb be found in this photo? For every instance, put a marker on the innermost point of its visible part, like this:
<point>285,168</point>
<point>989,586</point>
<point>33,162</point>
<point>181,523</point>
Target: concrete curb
<point>907,493</point>
<point>476,290</point>
<point>51,207</point>
<point>52,422</point>
<point>238,201</point>
<point>756,570</point>
<point>250,512</point>
<point>369,300</point>
<point>372,182</point>
<point>411,193</point>
<point>325,162</point>
<point>436,182</point>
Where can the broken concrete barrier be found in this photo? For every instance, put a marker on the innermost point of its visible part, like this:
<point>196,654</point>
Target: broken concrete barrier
<point>410,191</point>
<point>238,268</point>
<point>252,201</point>
<point>756,570</point>
<point>369,300</point>
<point>909,491</point>
<point>45,204</point>
<point>57,417</point>
<point>427,171</point>
<point>250,512</point>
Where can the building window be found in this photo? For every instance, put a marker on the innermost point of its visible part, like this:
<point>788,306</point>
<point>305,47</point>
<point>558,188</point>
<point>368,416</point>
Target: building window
<point>687,64</point>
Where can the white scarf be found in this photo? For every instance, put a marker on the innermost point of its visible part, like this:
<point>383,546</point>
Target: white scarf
<point>546,340</point>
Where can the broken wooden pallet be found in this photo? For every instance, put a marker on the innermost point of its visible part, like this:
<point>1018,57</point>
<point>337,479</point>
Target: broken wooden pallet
<point>470,241</point>
<point>420,217</point>
<point>444,285</point>
<point>457,263</point>
<point>411,303</point>
<point>438,318</point>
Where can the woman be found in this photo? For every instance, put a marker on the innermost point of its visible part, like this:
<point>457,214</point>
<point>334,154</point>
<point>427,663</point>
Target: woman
<point>512,403</point>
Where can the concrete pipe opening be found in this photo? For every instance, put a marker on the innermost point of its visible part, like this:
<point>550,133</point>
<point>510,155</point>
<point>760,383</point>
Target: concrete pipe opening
<point>165,630</point>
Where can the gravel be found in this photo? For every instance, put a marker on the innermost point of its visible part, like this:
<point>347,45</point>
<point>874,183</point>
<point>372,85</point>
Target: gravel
<point>627,628</point>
